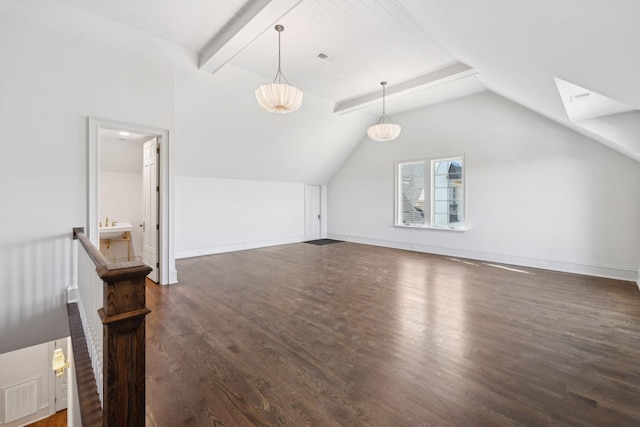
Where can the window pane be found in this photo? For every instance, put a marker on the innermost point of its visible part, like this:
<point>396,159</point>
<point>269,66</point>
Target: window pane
<point>440,220</point>
<point>448,193</point>
<point>412,203</point>
<point>441,207</point>
<point>441,168</point>
<point>441,180</point>
<point>440,194</point>
<point>444,193</point>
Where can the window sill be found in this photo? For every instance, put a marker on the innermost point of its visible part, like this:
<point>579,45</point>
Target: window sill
<point>429,227</point>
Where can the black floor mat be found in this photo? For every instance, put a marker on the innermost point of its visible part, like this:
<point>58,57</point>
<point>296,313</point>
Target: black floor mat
<point>320,242</point>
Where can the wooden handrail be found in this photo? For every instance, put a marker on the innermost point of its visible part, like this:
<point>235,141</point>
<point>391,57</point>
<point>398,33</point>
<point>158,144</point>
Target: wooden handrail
<point>123,322</point>
<point>94,253</point>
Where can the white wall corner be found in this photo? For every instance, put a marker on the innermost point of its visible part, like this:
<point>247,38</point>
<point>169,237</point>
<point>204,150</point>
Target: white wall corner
<point>638,279</point>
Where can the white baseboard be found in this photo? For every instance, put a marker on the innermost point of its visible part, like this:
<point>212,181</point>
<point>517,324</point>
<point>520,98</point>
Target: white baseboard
<point>237,247</point>
<point>610,272</point>
<point>173,276</point>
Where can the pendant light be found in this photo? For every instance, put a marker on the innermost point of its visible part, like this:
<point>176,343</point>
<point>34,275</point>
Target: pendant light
<point>279,97</point>
<point>383,131</point>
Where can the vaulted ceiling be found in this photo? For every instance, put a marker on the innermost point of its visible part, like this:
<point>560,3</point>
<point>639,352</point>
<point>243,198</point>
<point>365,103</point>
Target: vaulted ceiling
<point>428,50</point>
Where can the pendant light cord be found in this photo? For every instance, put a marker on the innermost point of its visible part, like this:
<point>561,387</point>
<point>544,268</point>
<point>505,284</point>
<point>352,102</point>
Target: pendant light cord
<point>384,85</point>
<point>384,94</point>
<point>279,76</point>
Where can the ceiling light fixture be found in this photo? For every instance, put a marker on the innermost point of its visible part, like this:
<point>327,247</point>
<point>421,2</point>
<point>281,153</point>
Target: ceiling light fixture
<point>279,97</point>
<point>383,131</point>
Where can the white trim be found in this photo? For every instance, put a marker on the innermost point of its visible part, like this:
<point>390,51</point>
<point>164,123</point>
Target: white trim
<point>51,377</point>
<point>638,279</point>
<point>428,227</point>
<point>588,269</point>
<point>39,405</point>
<point>173,276</point>
<point>72,289</point>
<point>237,247</point>
<point>72,294</point>
<point>168,273</point>
<point>447,74</point>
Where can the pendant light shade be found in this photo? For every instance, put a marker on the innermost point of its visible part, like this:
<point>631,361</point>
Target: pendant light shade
<point>383,131</point>
<point>279,96</point>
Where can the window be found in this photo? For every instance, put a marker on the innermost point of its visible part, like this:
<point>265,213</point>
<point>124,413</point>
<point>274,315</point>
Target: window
<point>430,193</point>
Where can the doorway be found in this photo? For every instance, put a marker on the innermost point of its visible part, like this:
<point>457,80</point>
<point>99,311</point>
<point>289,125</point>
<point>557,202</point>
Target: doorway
<point>312,212</point>
<point>150,223</point>
<point>61,382</point>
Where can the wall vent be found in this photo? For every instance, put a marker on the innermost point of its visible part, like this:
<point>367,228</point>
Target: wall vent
<point>20,400</point>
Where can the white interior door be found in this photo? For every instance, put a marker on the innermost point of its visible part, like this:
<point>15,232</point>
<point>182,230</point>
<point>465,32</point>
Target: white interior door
<point>150,191</point>
<point>61,382</point>
<point>312,212</point>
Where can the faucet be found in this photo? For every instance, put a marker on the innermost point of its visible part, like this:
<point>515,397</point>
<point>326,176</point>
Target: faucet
<point>106,222</point>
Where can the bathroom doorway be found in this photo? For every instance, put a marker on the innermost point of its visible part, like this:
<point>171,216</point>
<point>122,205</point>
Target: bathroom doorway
<point>128,195</point>
<point>127,199</point>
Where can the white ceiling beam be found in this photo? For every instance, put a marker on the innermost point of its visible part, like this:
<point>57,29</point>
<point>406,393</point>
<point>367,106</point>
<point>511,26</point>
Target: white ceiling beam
<point>259,16</point>
<point>435,78</point>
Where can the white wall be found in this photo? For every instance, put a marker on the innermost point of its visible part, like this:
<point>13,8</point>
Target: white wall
<point>24,366</point>
<point>240,171</point>
<point>538,194</point>
<point>622,128</point>
<point>60,65</point>
<point>221,215</point>
<point>223,133</point>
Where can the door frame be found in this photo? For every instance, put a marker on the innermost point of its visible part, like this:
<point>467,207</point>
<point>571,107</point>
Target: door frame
<point>166,251</point>
<point>149,224</point>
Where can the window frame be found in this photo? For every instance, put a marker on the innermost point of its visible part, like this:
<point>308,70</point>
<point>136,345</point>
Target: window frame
<point>429,164</point>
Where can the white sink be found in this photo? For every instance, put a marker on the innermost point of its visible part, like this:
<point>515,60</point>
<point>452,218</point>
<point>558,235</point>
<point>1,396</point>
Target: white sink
<point>115,231</point>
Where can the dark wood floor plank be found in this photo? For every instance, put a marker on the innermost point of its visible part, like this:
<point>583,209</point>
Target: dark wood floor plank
<point>355,335</point>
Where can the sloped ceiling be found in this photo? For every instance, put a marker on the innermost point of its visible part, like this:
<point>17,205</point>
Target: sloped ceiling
<point>518,48</point>
<point>515,49</point>
<point>367,41</point>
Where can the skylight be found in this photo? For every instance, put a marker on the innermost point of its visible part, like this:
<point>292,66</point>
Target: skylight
<point>583,104</point>
<point>610,120</point>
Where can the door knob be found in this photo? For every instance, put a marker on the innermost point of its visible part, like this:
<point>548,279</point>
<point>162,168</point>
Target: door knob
<point>143,227</point>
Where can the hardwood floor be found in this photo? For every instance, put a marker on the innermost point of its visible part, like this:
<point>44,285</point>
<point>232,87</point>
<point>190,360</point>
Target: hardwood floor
<point>351,335</point>
<point>59,419</point>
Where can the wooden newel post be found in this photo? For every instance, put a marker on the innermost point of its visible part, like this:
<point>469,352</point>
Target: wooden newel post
<point>123,319</point>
